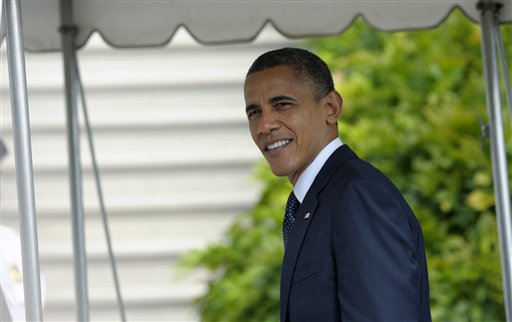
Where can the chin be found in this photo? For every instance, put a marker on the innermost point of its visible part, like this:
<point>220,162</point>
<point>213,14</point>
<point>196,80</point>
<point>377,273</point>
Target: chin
<point>279,172</point>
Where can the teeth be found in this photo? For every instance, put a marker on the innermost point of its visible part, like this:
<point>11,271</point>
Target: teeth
<point>277,144</point>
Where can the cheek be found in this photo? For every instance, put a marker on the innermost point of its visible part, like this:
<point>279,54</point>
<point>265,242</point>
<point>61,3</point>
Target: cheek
<point>310,132</point>
<point>252,130</point>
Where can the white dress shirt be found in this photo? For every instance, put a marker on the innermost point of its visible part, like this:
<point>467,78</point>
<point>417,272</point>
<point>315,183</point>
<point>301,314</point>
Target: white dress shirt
<point>306,179</point>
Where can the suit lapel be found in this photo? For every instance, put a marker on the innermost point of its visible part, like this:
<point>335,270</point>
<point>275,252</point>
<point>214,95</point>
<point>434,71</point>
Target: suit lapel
<point>294,244</point>
<point>305,214</point>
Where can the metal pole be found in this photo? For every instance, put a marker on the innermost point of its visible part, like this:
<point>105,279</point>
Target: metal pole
<point>504,67</point>
<point>68,31</point>
<point>101,200</point>
<point>2,18</point>
<point>498,152</point>
<point>23,159</point>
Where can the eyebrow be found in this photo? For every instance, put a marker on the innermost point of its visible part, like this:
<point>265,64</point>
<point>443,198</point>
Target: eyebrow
<point>272,100</point>
<point>277,99</point>
<point>250,108</point>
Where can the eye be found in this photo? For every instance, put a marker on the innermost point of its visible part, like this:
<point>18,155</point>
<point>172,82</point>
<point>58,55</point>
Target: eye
<point>252,114</point>
<point>282,105</point>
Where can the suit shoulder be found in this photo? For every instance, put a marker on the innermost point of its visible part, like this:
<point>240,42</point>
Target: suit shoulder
<point>358,169</point>
<point>357,172</point>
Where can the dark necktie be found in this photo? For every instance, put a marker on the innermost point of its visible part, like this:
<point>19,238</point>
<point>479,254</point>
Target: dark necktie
<point>292,206</point>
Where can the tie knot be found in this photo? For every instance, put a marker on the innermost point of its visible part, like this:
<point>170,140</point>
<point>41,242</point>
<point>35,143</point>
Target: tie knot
<point>293,204</point>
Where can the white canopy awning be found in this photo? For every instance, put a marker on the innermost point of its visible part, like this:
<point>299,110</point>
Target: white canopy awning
<point>153,23</point>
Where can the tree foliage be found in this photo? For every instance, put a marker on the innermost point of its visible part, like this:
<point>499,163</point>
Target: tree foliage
<point>412,103</point>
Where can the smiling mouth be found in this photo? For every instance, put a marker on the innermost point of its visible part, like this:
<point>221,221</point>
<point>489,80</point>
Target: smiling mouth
<point>277,144</point>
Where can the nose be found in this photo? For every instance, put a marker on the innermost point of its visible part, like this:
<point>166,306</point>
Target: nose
<point>268,122</point>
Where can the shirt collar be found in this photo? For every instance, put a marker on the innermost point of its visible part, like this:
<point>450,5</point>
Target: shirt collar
<point>306,179</point>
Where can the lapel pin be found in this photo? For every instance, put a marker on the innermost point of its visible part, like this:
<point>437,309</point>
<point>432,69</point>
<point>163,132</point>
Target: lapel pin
<point>307,215</point>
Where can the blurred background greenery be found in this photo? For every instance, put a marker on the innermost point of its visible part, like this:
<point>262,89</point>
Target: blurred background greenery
<point>412,103</point>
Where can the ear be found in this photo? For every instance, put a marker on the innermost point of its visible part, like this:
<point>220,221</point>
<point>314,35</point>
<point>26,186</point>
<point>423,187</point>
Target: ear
<point>333,104</point>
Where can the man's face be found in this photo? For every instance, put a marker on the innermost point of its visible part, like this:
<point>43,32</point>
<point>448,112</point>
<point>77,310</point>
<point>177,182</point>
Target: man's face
<point>287,123</point>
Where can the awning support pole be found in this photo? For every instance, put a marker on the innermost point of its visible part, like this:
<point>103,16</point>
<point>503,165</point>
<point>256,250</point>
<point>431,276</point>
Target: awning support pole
<point>68,31</point>
<point>489,21</point>
<point>23,159</point>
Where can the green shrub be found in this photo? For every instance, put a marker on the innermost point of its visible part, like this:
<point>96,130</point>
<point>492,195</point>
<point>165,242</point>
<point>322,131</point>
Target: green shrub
<point>411,107</point>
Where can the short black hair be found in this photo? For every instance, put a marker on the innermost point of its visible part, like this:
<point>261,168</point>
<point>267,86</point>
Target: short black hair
<point>308,66</point>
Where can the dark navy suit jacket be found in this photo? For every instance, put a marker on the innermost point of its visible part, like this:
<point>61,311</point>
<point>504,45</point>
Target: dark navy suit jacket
<point>356,251</point>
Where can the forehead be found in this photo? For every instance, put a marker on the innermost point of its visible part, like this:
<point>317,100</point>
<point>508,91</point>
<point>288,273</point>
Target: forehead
<point>274,81</point>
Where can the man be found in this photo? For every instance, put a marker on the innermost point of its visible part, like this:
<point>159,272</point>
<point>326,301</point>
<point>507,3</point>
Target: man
<point>12,297</point>
<point>11,278</point>
<point>353,248</point>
